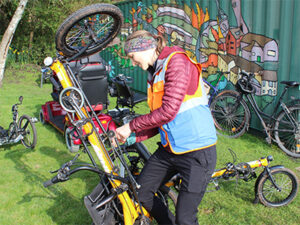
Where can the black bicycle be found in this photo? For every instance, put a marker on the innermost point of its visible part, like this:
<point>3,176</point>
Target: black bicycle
<point>19,130</point>
<point>232,115</point>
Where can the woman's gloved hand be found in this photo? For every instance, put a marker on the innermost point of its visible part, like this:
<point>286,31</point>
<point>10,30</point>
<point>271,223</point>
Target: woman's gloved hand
<point>130,140</point>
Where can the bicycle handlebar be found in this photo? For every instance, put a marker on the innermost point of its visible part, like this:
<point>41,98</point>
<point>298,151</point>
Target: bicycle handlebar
<point>64,173</point>
<point>52,181</point>
<point>245,83</point>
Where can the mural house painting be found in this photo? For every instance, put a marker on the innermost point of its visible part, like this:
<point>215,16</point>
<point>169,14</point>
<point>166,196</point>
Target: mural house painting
<point>214,42</point>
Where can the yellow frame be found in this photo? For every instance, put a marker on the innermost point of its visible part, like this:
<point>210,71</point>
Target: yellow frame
<point>131,210</point>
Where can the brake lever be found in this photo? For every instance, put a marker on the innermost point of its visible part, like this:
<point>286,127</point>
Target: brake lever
<point>55,171</point>
<point>66,165</point>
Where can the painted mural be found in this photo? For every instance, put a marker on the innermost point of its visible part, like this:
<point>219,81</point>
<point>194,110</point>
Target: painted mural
<point>211,40</point>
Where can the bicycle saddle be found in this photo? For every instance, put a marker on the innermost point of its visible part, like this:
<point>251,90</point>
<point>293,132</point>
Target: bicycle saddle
<point>290,83</point>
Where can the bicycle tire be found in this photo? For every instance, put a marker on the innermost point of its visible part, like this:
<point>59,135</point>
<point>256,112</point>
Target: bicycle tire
<point>42,118</point>
<point>27,132</point>
<point>265,187</point>
<point>230,122</point>
<point>69,141</point>
<point>75,21</point>
<point>285,134</point>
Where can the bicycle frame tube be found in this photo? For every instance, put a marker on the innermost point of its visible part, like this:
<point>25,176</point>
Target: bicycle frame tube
<point>15,130</point>
<point>253,164</point>
<point>130,209</point>
<point>258,163</point>
<point>257,110</point>
<point>218,173</point>
<point>260,114</point>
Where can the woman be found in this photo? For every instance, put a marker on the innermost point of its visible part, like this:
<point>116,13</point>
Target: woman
<point>179,112</point>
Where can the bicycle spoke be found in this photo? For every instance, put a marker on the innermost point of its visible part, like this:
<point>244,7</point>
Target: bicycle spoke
<point>287,131</point>
<point>100,27</point>
<point>284,184</point>
<point>229,116</point>
<point>25,126</point>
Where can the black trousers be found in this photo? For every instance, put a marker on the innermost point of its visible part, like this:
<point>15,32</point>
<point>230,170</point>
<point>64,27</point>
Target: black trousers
<point>195,168</point>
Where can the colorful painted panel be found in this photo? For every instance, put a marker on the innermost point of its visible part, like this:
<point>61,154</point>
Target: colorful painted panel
<point>223,35</point>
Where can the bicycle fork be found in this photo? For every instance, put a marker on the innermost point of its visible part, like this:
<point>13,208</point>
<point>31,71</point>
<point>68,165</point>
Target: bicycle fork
<point>272,179</point>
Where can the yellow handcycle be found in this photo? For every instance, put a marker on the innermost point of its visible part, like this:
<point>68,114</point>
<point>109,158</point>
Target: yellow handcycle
<point>114,200</point>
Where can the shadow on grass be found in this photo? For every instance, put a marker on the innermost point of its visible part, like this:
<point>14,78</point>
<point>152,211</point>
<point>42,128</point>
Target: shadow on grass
<point>8,147</point>
<point>241,189</point>
<point>60,203</point>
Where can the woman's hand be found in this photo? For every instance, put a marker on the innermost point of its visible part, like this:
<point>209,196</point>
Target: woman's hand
<point>123,132</point>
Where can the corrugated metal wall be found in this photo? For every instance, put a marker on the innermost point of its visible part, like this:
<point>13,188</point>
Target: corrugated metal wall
<point>259,36</point>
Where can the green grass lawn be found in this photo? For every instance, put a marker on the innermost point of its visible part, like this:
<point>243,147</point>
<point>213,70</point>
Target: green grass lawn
<point>24,200</point>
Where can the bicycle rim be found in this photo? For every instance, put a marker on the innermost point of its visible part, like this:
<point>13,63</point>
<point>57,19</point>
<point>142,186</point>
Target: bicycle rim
<point>231,119</point>
<point>28,131</point>
<point>94,26</point>
<point>270,196</point>
<point>286,134</point>
<point>78,36</point>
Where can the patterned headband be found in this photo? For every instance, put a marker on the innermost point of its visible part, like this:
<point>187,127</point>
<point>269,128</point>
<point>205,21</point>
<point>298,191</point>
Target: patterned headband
<point>139,44</point>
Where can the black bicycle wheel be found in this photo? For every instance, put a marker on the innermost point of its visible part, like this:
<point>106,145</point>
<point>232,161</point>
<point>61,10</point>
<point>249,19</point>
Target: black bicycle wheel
<point>28,131</point>
<point>42,118</point>
<point>69,141</point>
<point>287,131</point>
<point>94,26</point>
<point>231,116</point>
<point>287,183</point>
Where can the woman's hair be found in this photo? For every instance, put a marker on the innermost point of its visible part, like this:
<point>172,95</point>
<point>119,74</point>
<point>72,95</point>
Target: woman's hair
<point>161,42</point>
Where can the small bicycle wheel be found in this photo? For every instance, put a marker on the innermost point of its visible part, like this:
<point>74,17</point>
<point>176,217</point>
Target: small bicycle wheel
<point>41,117</point>
<point>69,141</point>
<point>28,130</point>
<point>94,26</point>
<point>231,114</point>
<point>287,131</point>
<point>287,184</point>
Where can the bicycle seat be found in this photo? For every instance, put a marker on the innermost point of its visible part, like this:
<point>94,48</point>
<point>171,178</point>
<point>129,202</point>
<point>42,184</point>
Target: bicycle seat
<point>127,97</point>
<point>139,97</point>
<point>290,83</point>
